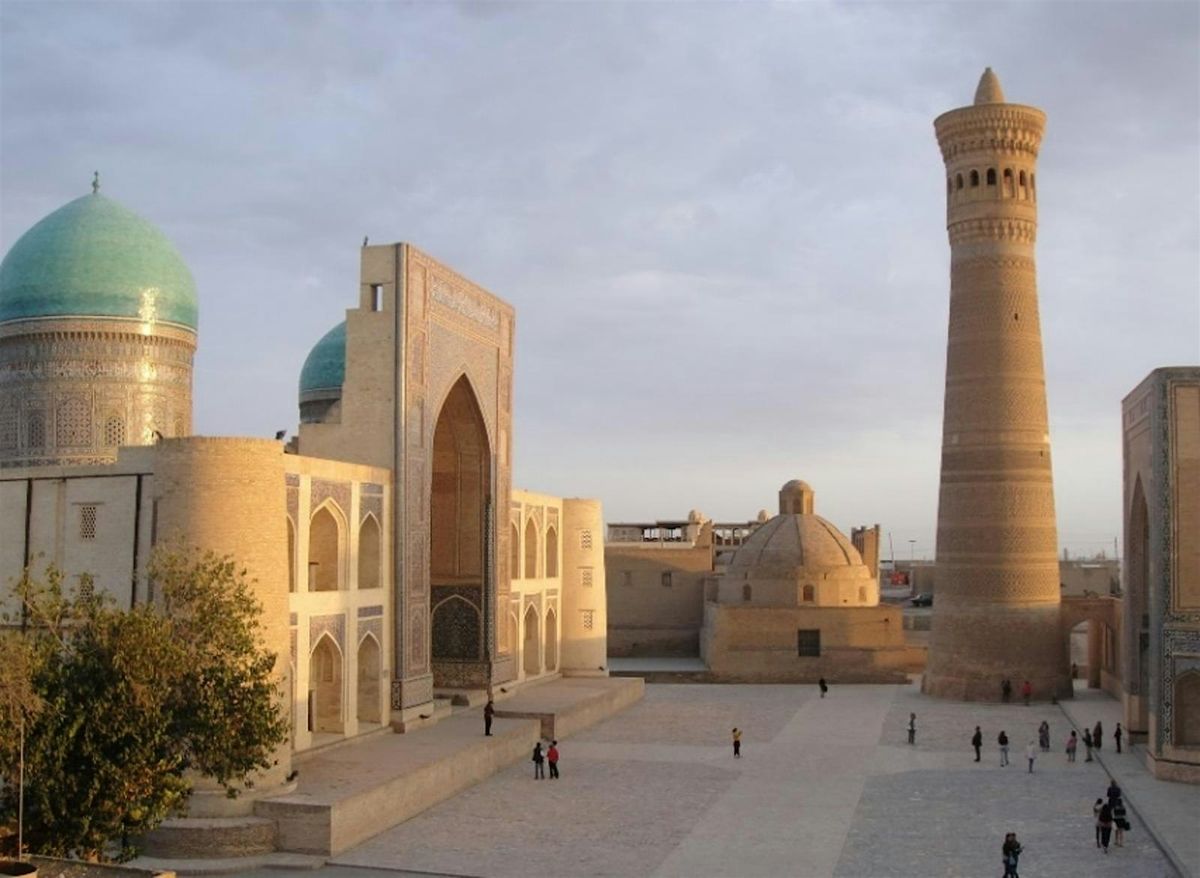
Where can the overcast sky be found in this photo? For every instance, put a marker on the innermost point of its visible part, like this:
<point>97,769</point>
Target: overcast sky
<point>722,224</point>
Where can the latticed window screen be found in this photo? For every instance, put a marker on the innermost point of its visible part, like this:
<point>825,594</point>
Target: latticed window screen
<point>589,619</point>
<point>87,587</point>
<point>585,577</point>
<point>585,539</point>
<point>87,521</point>
<point>809,641</point>
<point>73,424</point>
<point>35,430</point>
<point>8,428</point>
<point>114,431</point>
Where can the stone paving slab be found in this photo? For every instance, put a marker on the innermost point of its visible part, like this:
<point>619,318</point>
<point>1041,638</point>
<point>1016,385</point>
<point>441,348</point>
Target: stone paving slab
<point>827,787</point>
<point>1171,811</point>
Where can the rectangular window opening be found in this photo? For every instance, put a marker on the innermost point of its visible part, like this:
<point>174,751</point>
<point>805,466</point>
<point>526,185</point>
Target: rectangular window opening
<point>666,579</point>
<point>87,521</point>
<point>808,642</point>
<point>376,297</point>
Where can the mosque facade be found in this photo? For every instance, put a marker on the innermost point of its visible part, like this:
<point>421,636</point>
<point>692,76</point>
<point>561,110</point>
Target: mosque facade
<point>396,563</point>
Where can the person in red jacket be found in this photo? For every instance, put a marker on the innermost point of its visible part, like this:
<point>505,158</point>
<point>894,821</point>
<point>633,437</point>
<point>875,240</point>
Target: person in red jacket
<point>1026,691</point>
<point>552,758</point>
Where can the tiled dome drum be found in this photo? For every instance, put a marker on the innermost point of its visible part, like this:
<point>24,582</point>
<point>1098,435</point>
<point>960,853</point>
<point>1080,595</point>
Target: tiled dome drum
<point>98,321</point>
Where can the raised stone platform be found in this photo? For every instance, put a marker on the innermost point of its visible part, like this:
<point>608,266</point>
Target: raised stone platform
<point>359,790</point>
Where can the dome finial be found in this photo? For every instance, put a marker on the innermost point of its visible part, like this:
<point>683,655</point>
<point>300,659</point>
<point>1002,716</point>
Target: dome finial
<point>989,91</point>
<point>95,182</point>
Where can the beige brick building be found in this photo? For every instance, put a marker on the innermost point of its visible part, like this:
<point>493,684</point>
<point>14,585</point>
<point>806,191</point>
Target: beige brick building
<point>396,564</point>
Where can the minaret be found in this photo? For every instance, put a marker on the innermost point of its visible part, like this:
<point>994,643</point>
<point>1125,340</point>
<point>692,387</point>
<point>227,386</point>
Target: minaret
<point>997,585</point>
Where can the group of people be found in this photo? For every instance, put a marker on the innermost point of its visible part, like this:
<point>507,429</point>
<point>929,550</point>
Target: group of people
<point>1006,689</point>
<point>1111,816</point>
<point>540,756</point>
<point>1092,740</point>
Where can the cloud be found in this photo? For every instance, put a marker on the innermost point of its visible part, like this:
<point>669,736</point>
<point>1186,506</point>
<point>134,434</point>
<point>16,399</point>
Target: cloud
<point>722,224</point>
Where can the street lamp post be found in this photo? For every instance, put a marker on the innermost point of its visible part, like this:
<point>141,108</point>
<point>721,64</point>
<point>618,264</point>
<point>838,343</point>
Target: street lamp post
<point>912,567</point>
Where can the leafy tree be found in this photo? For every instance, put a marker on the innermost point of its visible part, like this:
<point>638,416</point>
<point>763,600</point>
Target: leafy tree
<point>132,702</point>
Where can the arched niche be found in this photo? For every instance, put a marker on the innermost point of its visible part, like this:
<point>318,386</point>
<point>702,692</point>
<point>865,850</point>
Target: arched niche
<point>369,555</point>
<point>531,547</point>
<point>325,548</point>
<point>551,553</point>
<point>325,686</point>
<point>530,653</point>
<point>368,679</point>
<point>551,640</point>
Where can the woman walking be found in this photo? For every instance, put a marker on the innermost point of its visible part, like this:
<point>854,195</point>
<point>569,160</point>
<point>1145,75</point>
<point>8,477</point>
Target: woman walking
<point>1120,822</point>
<point>1096,818</point>
<point>1011,851</point>
<point>1072,746</point>
<point>1044,736</point>
<point>1106,825</point>
<point>1087,743</point>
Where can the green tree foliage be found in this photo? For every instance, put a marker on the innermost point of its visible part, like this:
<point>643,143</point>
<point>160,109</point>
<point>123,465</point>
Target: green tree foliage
<point>123,706</point>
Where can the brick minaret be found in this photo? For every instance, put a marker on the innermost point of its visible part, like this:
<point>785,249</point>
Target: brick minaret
<point>997,588</point>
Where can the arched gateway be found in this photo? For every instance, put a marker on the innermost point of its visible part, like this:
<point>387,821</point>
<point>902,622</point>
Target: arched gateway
<point>460,521</point>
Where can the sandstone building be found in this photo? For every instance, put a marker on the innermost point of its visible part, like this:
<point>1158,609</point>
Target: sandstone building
<point>396,563</point>
<point>1160,606</point>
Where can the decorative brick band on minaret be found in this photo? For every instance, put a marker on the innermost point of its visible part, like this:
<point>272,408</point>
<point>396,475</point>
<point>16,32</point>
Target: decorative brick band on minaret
<point>997,586</point>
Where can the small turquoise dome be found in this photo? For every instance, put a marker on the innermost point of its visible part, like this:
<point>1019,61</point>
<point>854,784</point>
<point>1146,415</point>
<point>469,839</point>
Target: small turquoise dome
<point>325,367</point>
<point>94,258</point>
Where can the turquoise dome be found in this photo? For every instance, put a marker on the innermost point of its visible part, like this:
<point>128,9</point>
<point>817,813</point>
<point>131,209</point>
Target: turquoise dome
<point>325,366</point>
<point>94,258</point>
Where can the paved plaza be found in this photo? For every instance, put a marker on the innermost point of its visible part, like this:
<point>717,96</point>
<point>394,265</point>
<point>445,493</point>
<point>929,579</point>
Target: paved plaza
<point>825,787</point>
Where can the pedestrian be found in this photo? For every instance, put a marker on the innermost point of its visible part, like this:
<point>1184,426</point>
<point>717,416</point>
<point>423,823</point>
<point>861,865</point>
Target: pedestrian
<point>1106,825</point>
<point>1026,691</point>
<point>552,758</point>
<point>489,711</point>
<point>912,728</point>
<point>1030,754</point>
<point>1005,690</point>
<point>1044,736</point>
<point>977,742</point>
<point>737,743</point>
<point>1113,792</point>
<point>1002,740</point>
<point>1117,735</point>
<point>1096,818</point>
<point>1011,851</point>
<point>1087,744</point>
<point>1072,746</point>
<point>823,686</point>
<point>539,770</point>
<point>1120,822</point>
<point>1097,735</point>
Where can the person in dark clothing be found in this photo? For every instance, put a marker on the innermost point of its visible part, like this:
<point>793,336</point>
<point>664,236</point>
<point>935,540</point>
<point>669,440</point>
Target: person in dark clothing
<point>489,711</point>
<point>1087,743</point>
<point>737,743</point>
<point>912,728</point>
<point>823,686</point>
<point>1117,737</point>
<point>1005,690</point>
<point>1097,735</point>
<point>552,758</point>
<point>539,759</point>
<point>1002,740</point>
<point>977,742</point>
<point>1106,824</point>
<point>1114,791</point>
<point>1120,822</point>
<point>1011,851</point>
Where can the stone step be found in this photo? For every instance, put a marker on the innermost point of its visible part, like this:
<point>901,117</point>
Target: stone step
<point>211,837</point>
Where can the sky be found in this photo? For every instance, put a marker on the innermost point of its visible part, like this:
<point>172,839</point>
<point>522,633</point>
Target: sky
<point>722,224</point>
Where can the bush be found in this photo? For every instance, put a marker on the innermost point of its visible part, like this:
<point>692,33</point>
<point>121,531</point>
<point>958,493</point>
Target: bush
<point>121,705</point>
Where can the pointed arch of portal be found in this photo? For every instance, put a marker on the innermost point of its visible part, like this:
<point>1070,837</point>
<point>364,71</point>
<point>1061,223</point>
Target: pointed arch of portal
<point>1137,612</point>
<point>461,550</point>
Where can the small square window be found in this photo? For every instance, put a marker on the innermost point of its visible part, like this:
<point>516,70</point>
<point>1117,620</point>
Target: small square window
<point>585,577</point>
<point>87,521</point>
<point>808,642</point>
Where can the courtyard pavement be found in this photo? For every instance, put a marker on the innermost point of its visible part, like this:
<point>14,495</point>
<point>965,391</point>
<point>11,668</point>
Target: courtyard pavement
<point>826,787</point>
